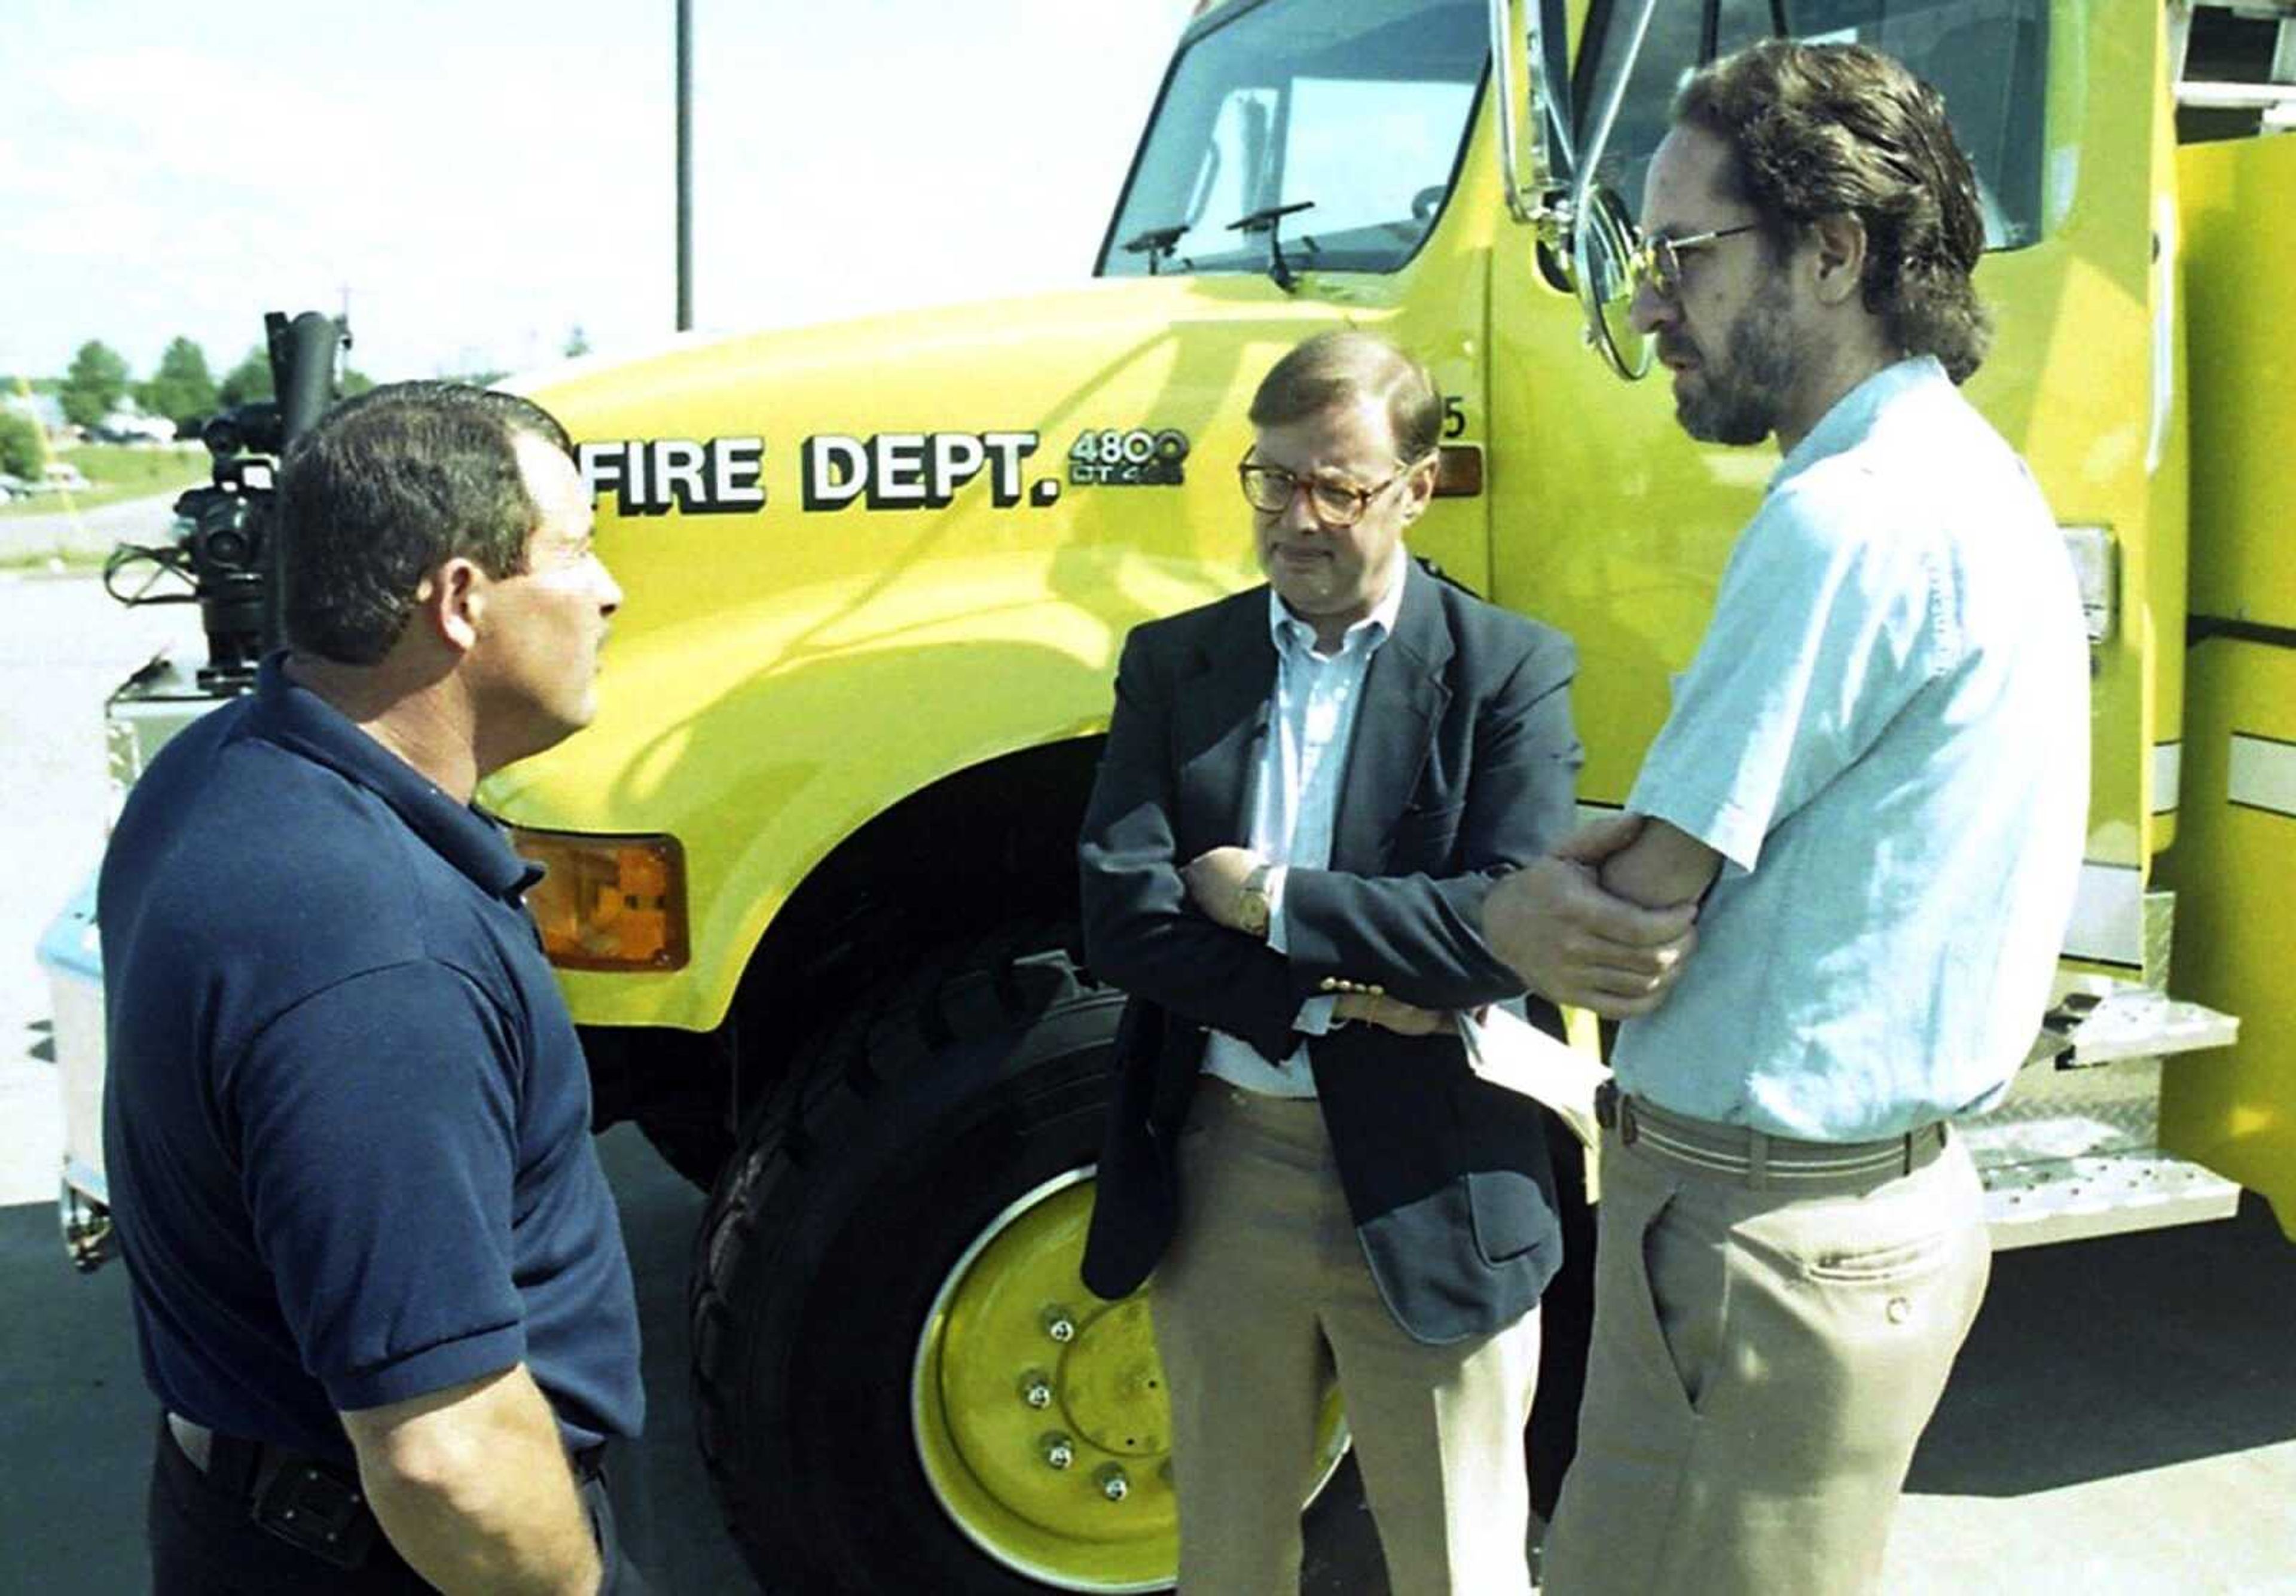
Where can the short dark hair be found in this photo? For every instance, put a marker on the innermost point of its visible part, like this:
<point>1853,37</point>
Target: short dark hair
<point>1341,367</point>
<point>388,488</point>
<point>1841,131</point>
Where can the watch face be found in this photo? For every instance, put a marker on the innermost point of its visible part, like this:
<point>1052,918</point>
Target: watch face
<point>1254,910</point>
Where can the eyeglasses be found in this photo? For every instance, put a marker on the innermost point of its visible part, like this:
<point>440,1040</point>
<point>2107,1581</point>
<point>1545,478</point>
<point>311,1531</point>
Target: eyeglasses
<point>1270,491</point>
<point>1658,261</point>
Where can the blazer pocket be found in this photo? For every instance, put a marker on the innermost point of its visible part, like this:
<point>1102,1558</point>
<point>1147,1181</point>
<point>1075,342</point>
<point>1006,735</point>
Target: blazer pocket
<point>1508,1214</point>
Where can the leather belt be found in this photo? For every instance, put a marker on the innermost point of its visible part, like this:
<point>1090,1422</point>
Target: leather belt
<point>198,1445</point>
<point>313,1504</point>
<point>1759,1161</point>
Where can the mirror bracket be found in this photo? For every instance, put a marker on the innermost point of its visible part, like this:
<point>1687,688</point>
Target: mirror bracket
<point>1536,198</point>
<point>1603,237</point>
<point>1584,236</point>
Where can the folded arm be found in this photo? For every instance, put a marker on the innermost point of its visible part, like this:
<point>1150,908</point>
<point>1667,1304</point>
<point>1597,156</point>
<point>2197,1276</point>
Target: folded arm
<point>1141,931</point>
<point>1576,941</point>
<point>1420,936</point>
<point>1664,868</point>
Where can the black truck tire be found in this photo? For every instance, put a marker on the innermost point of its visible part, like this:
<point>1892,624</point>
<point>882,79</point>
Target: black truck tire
<point>923,1170</point>
<point>850,1199</point>
<point>689,1132</point>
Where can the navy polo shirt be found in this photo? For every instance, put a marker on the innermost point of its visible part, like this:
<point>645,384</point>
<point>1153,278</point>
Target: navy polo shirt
<point>345,1115</point>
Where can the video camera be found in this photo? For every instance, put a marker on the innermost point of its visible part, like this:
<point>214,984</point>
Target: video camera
<point>223,543</point>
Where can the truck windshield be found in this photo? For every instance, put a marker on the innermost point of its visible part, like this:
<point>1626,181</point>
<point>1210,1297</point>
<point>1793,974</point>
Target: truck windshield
<point>1360,108</point>
<point>1988,58</point>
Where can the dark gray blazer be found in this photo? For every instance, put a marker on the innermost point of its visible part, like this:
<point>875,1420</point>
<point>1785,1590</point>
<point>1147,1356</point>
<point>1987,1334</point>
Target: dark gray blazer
<point>1461,768</point>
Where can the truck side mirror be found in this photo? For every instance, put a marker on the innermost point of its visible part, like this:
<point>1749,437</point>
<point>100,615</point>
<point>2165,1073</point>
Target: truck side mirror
<point>1602,249</point>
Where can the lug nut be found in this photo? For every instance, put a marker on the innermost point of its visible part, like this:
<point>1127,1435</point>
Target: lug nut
<point>1056,1449</point>
<point>1036,1389</point>
<point>1060,1324</point>
<point>1113,1485</point>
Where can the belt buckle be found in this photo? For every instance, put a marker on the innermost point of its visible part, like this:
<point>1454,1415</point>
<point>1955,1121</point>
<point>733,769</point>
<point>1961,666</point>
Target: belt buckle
<point>1611,1111</point>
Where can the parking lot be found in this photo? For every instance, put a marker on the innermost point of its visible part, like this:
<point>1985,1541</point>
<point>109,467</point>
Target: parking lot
<point>2123,1420</point>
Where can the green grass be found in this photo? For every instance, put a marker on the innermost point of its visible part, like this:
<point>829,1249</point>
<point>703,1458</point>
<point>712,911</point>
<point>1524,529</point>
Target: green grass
<point>117,471</point>
<point>65,563</point>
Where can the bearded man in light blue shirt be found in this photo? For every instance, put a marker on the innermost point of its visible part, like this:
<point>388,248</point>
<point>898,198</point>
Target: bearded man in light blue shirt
<point>1875,773</point>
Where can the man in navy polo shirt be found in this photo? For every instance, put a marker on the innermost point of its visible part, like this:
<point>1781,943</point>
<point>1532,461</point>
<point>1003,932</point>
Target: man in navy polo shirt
<point>379,1281</point>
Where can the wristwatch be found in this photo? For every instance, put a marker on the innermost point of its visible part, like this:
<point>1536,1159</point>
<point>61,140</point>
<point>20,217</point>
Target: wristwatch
<point>1252,905</point>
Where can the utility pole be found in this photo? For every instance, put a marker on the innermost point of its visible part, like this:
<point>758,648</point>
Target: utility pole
<point>684,165</point>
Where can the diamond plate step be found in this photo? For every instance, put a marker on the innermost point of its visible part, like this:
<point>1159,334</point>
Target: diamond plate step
<point>2065,1199</point>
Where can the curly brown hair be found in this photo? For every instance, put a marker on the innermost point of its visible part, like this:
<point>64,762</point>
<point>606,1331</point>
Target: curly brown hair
<point>1843,130</point>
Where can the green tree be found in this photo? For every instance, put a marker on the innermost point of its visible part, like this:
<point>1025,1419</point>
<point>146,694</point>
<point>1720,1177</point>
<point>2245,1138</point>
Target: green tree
<point>181,390</point>
<point>354,383</point>
<point>19,445</point>
<point>249,381</point>
<point>577,342</point>
<point>97,381</point>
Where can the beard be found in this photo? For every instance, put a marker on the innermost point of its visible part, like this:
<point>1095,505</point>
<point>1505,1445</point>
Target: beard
<point>1739,400</point>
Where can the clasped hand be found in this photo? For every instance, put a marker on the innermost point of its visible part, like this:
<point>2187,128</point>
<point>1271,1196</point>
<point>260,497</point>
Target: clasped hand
<point>1576,945</point>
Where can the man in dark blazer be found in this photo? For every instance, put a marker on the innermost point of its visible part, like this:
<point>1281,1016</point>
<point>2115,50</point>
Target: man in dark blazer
<point>1308,791</point>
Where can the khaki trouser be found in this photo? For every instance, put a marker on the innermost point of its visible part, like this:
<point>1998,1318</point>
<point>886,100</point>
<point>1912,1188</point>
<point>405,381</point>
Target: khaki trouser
<point>1762,1368</point>
<point>1262,1297</point>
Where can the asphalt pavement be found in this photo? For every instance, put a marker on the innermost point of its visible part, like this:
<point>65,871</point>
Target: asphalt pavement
<point>2122,1420</point>
<point>85,534</point>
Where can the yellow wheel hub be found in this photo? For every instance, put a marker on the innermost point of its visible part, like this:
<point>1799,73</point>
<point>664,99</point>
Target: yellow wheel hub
<point>1041,1416</point>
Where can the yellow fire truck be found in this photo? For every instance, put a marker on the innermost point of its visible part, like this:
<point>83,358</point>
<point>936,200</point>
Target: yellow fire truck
<point>811,877</point>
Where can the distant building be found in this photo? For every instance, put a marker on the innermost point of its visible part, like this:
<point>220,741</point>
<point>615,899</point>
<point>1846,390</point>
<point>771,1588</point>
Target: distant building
<point>44,409</point>
<point>129,424</point>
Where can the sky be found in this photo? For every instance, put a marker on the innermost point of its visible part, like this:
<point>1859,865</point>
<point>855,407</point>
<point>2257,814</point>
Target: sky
<point>482,178</point>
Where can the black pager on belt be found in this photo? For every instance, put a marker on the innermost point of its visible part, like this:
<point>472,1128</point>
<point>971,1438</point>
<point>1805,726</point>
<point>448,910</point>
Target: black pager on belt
<point>315,1509</point>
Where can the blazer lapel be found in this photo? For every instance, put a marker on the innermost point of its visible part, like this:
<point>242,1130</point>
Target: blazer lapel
<point>1220,721</point>
<point>1404,695</point>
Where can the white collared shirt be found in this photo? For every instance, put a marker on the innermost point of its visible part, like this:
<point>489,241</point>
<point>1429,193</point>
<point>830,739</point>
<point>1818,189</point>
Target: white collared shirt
<point>1295,799</point>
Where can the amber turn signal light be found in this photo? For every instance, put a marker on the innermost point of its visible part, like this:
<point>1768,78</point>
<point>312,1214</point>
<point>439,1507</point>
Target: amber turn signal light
<point>607,902</point>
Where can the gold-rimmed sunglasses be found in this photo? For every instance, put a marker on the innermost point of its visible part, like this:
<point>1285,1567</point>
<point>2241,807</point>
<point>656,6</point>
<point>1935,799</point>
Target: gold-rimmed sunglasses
<point>1658,261</point>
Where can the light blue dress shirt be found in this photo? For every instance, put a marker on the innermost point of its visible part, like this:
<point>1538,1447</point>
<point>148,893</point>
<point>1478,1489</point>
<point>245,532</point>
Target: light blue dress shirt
<point>1295,800</point>
<point>1885,736</point>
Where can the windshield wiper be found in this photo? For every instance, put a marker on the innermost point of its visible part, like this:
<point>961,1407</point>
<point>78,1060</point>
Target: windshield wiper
<point>1155,242</point>
<point>1266,220</point>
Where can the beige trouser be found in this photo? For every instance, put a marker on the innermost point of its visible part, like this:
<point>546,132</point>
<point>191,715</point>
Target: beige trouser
<point>1263,1294</point>
<point>1762,1370</point>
